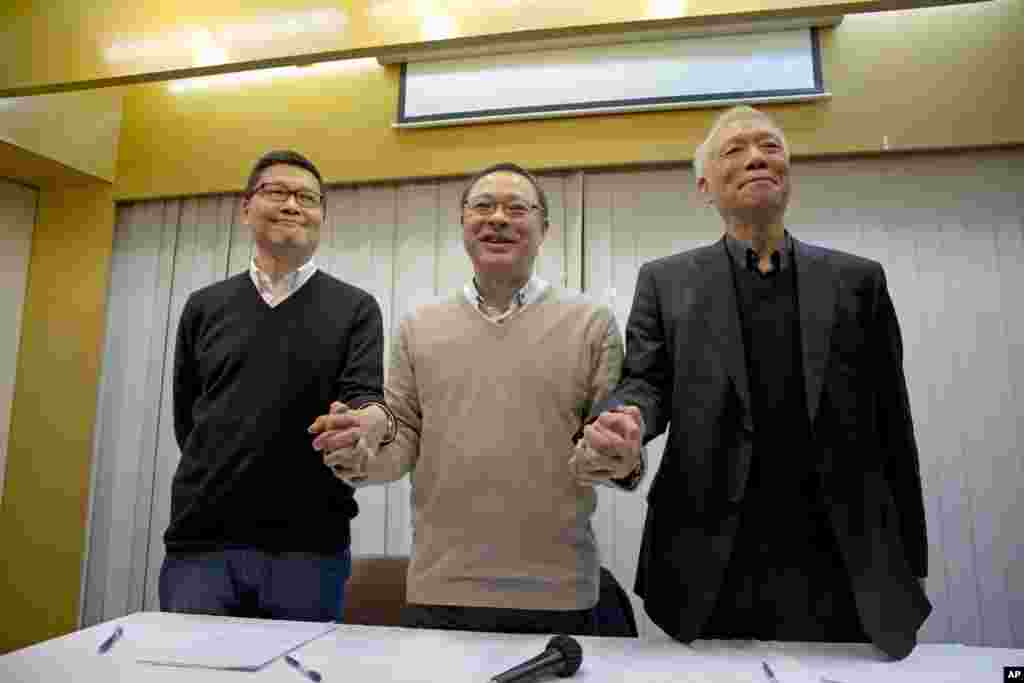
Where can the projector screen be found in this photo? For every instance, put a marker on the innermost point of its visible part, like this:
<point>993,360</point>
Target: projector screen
<point>665,74</point>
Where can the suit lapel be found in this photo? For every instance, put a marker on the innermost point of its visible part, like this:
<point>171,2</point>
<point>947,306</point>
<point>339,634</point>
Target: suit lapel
<point>724,320</point>
<point>816,293</point>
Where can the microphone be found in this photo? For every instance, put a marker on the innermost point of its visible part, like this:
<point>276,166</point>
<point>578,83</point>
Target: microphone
<point>562,657</point>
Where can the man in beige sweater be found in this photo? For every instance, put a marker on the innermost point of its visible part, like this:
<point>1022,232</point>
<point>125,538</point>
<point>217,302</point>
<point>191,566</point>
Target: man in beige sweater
<point>485,391</point>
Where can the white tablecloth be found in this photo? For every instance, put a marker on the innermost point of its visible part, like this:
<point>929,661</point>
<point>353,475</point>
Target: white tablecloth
<point>363,653</point>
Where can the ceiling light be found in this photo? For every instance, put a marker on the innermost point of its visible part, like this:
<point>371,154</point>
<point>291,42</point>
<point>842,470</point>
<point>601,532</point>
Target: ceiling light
<point>666,9</point>
<point>438,27</point>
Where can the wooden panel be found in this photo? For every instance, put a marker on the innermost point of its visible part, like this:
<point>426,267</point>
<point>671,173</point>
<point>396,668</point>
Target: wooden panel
<point>21,165</point>
<point>17,219</point>
<point>78,130</point>
<point>42,519</point>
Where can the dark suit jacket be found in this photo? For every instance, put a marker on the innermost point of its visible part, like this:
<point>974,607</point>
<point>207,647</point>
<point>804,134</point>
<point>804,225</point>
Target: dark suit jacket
<point>685,367</point>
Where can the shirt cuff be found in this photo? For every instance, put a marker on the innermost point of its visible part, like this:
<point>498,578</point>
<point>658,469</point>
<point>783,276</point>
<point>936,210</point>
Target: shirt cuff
<point>632,480</point>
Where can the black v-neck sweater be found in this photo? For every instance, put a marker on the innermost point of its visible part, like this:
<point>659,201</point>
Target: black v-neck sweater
<point>248,380</point>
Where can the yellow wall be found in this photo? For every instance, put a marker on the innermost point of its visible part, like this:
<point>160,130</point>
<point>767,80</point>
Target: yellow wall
<point>77,129</point>
<point>931,78</point>
<point>59,44</point>
<point>29,168</point>
<point>42,517</point>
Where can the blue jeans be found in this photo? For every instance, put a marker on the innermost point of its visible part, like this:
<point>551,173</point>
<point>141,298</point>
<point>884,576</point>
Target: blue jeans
<point>246,582</point>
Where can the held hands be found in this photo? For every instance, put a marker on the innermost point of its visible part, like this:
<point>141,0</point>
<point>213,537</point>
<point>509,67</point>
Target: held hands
<point>610,447</point>
<point>349,439</point>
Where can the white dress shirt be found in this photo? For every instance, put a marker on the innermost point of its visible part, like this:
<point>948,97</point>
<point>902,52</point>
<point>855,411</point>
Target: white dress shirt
<point>276,291</point>
<point>525,296</point>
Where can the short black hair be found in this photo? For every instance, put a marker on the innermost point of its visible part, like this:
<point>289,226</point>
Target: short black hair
<point>280,156</point>
<point>509,167</point>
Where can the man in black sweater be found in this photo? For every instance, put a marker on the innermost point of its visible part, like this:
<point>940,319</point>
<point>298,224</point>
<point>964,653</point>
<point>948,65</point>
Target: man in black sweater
<point>788,503</point>
<point>259,528</point>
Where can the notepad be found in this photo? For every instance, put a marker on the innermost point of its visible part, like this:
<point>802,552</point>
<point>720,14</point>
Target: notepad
<point>237,646</point>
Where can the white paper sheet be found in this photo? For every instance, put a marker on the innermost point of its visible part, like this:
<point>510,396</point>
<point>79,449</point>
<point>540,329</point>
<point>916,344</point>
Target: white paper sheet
<point>239,646</point>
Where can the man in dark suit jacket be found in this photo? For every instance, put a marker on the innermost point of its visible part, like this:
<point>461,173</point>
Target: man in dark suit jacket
<point>788,503</point>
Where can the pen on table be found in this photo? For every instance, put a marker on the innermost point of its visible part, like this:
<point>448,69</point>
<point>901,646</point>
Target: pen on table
<point>109,642</point>
<point>308,673</point>
<point>768,672</point>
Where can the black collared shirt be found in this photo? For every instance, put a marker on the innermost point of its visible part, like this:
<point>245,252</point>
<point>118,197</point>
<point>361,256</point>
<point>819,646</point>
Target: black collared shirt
<point>744,256</point>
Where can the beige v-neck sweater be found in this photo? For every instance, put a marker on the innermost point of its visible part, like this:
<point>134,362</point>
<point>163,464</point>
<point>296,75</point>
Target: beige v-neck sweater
<point>486,413</point>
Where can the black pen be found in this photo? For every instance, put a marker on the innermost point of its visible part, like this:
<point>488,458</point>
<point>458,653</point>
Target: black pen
<point>109,642</point>
<point>308,673</point>
<point>768,672</point>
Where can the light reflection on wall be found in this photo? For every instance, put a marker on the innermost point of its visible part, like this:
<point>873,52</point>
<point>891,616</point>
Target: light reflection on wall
<point>410,20</point>
<point>205,46</point>
<point>262,76</point>
<point>11,102</point>
<point>666,9</point>
<point>438,27</point>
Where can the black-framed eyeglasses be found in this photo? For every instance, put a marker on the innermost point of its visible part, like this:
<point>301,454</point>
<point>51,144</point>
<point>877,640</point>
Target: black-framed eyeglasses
<point>485,206</point>
<point>279,194</point>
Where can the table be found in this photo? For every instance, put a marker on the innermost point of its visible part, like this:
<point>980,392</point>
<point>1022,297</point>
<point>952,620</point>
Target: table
<point>367,653</point>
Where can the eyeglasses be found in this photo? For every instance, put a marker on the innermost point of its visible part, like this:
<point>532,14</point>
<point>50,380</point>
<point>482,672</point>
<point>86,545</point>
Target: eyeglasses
<point>485,206</point>
<point>279,194</point>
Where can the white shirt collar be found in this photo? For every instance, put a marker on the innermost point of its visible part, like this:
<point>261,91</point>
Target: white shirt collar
<point>526,295</point>
<point>274,292</point>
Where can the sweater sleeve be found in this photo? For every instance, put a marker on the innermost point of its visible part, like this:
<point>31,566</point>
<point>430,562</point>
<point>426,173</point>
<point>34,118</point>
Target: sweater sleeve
<point>605,375</point>
<point>362,375</point>
<point>186,382</point>
<point>397,458</point>
<point>608,353</point>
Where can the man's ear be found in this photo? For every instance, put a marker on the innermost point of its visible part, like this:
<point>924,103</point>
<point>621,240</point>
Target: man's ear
<point>243,211</point>
<point>705,192</point>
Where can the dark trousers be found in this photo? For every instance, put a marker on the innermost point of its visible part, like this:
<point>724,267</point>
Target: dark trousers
<point>501,620</point>
<point>245,582</point>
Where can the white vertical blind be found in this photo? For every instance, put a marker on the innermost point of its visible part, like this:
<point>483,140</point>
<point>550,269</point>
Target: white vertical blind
<point>947,227</point>
<point>633,217</point>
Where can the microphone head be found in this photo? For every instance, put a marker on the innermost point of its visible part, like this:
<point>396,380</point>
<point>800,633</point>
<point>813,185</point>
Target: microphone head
<point>571,651</point>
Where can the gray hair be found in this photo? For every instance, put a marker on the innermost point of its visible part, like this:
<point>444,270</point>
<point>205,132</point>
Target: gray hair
<point>740,113</point>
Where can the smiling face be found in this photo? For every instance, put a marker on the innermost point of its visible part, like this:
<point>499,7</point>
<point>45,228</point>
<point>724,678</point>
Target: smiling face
<point>499,244</point>
<point>746,173</point>
<point>284,229</point>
